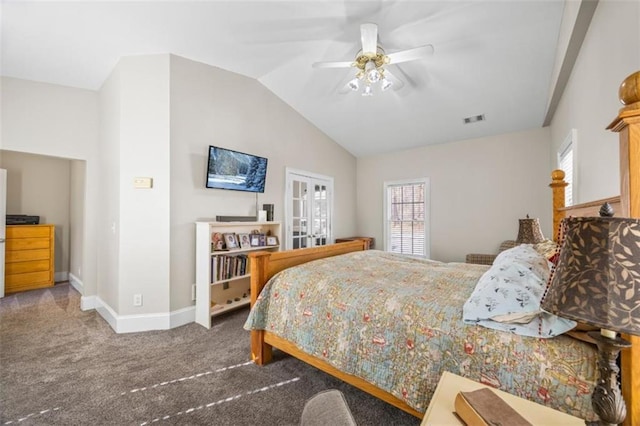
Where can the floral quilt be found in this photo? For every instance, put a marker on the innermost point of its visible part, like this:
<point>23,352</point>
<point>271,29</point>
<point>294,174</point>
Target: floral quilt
<point>397,323</point>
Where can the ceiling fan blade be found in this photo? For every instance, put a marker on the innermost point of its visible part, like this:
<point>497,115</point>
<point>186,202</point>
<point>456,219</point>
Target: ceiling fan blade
<point>369,38</point>
<point>345,64</point>
<point>410,54</point>
<point>397,84</point>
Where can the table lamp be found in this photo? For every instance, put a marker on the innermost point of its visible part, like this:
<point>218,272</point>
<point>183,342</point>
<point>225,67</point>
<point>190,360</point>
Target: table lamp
<point>529,231</point>
<point>597,282</point>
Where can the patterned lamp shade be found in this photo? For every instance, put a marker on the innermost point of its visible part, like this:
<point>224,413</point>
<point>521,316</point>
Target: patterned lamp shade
<point>597,280</point>
<point>529,231</point>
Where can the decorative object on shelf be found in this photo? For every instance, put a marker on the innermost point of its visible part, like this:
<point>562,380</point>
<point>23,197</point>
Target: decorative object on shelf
<point>245,242</point>
<point>269,209</point>
<point>272,241</point>
<point>255,240</point>
<point>217,241</point>
<point>529,231</point>
<point>597,282</point>
<point>262,215</point>
<point>230,240</point>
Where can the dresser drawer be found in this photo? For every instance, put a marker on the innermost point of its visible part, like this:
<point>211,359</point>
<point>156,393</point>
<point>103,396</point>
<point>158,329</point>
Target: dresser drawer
<point>27,243</point>
<point>28,266</point>
<point>26,255</point>
<point>29,231</point>
<point>28,281</point>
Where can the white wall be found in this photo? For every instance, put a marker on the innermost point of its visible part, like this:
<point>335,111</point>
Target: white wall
<point>77,207</point>
<point>57,121</point>
<point>108,203</point>
<point>609,53</point>
<point>479,190</point>
<point>210,106</point>
<point>142,224</point>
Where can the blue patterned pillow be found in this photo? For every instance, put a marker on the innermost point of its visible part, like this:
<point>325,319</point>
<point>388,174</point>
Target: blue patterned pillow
<point>507,297</point>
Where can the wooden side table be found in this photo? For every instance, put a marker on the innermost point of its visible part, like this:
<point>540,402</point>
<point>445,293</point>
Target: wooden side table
<point>370,241</point>
<point>441,407</point>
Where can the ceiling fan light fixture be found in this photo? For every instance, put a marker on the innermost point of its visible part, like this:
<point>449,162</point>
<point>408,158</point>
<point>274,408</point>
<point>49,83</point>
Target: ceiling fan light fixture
<point>386,84</point>
<point>354,84</point>
<point>372,73</point>
<point>367,91</point>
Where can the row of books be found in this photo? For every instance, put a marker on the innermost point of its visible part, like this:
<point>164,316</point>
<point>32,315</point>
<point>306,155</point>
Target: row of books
<point>226,267</point>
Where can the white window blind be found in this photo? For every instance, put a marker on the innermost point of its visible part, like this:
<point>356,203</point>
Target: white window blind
<point>406,218</point>
<point>565,163</point>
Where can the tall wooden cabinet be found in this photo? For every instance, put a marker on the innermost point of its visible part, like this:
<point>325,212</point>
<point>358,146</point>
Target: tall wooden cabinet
<point>29,257</point>
<point>222,276</point>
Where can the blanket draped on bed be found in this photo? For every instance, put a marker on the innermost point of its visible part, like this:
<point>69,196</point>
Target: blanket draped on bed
<point>397,323</point>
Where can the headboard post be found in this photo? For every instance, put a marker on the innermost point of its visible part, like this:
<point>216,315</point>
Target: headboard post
<point>627,124</point>
<point>558,186</point>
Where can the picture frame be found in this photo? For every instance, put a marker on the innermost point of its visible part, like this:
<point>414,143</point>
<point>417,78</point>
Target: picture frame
<point>217,241</point>
<point>245,241</point>
<point>263,240</point>
<point>231,240</point>
<point>272,240</point>
<point>255,240</point>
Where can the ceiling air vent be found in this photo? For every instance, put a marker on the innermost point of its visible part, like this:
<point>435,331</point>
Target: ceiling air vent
<point>473,119</point>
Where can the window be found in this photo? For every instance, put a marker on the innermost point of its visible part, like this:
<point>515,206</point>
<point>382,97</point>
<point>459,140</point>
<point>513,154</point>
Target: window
<point>566,155</point>
<point>406,217</point>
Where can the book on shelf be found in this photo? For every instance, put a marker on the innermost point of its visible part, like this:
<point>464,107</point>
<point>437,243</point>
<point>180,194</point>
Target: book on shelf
<point>224,267</point>
<point>483,407</point>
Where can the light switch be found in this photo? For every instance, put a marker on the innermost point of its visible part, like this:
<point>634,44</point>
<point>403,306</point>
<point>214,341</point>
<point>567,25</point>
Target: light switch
<point>143,183</point>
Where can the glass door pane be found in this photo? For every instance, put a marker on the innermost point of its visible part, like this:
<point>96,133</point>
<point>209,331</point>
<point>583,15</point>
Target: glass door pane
<point>308,221</point>
<point>299,215</point>
<point>320,215</point>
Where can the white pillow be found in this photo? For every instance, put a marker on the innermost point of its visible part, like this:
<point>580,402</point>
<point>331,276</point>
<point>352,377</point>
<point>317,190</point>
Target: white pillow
<point>507,297</point>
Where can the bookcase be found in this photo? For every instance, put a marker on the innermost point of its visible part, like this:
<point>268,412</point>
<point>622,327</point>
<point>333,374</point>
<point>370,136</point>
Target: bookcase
<point>222,264</point>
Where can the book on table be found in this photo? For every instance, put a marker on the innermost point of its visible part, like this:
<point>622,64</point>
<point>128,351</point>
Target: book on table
<point>483,407</point>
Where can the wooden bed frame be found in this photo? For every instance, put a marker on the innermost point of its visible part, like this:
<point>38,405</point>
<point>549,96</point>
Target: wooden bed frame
<point>265,264</point>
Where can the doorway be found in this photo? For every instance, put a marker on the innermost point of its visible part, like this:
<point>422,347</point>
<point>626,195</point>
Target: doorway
<point>309,209</point>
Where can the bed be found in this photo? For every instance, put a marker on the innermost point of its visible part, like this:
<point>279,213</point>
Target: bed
<point>563,379</point>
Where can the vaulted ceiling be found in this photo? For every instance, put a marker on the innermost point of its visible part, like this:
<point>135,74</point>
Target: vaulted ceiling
<point>491,58</point>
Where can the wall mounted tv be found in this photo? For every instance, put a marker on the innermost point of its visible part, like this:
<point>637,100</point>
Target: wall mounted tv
<point>228,169</point>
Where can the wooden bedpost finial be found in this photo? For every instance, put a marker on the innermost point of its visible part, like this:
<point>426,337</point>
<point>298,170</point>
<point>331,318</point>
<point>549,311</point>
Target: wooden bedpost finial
<point>629,92</point>
<point>557,176</point>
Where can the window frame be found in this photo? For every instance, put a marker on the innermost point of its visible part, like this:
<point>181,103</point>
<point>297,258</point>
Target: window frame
<point>427,218</point>
<point>570,143</point>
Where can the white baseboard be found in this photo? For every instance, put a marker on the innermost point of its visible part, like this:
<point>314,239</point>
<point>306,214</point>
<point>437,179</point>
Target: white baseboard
<point>86,302</point>
<point>144,322</point>
<point>182,317</point>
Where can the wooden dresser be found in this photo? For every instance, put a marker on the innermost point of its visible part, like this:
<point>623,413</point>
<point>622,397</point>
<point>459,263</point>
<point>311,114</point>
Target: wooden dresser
<point>29,257</point>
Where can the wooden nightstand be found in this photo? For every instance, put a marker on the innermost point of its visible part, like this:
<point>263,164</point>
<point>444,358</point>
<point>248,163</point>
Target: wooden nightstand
<point>440,411</point>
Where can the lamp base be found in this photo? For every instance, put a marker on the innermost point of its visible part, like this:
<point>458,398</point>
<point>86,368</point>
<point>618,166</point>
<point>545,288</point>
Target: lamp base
<point>607,400</point>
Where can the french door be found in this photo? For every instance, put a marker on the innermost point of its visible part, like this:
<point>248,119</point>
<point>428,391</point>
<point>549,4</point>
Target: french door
<point>309,210</point>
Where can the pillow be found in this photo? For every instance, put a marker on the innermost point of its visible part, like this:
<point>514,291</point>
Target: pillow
<point>507,297</point>
<point>548,249</point>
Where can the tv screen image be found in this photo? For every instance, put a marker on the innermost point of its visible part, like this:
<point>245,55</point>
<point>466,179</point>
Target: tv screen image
<point>229,169</point>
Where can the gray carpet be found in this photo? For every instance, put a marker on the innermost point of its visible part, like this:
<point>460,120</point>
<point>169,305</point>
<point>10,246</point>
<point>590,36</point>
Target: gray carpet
<point>62,366</point>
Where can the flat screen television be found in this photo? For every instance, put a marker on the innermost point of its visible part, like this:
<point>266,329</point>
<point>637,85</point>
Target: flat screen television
<point>229,169</point>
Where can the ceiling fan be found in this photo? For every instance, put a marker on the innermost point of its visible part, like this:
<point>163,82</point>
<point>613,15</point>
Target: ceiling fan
<point>371,60</point>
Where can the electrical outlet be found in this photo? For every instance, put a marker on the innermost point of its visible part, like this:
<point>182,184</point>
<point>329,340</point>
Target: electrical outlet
<point>193,292</point>
<point>137,300</point>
